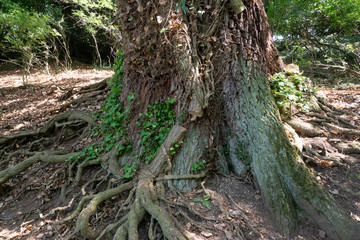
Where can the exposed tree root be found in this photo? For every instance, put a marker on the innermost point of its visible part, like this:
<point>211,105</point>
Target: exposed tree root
<point>348,148</point>
<point>333,119</point>
<point>95,86</point>
<point>304,127</point>
<point>144,196</point>
<point>343,130</point>
<point>82,224</point>
<point>332,108</point>
<point>50,125</point>
<point>88,98</point>
<point>49,157</point>
<point>81,166</point>
<point>323,161</point>
<point>146,199</point>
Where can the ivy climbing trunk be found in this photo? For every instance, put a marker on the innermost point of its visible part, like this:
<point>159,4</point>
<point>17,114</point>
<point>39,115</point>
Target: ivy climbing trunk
<point>214,57</point>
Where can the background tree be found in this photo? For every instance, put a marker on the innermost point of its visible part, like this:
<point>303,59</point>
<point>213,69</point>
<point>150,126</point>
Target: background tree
<point>24,34</point>
<point>58,30</point>
<point>317,33</point>
<point>97,18</point>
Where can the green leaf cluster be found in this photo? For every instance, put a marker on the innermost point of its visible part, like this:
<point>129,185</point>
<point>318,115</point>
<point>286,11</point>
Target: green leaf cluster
<point>24,31</point>
<point>198,165</point>
<point>95,15</point>
<point>291,88</point>
<point>204,200</point>
<point>321,17</point>
<point>155,125</point>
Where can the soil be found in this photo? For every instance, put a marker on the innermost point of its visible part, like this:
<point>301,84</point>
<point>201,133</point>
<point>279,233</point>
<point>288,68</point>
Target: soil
<point>25,200</point>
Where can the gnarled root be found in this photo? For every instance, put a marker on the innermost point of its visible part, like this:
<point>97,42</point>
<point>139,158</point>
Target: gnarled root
<point>50,157</point>
<point>50,125</point>
<point>82,223</point>
<point>146,200</point>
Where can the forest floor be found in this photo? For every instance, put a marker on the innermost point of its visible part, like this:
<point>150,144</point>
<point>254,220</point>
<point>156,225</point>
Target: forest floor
<point>26,199</point>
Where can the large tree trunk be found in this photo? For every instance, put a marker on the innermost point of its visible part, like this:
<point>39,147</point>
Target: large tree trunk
<point>214,58</point>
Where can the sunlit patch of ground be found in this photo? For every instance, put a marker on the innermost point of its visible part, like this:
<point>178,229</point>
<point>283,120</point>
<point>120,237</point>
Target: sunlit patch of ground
<point>343,97</point>
<point>25,107</point>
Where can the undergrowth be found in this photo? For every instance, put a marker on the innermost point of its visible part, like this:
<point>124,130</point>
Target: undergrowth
<point>291,89</point>
<point>113,119</point>
<point>155,125</point>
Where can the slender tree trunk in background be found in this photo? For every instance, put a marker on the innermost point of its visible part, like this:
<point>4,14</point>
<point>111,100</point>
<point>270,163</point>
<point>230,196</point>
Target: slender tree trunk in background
<point>46,62</point>
<point>64,43</point>
<point>214,56</point>
<point>98,56</point>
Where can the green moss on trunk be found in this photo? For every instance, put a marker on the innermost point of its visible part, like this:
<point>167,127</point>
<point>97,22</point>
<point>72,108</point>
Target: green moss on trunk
<point>284,180</point>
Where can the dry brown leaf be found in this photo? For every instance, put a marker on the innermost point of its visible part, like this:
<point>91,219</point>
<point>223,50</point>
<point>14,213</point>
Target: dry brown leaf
<point>29,227</point>
<point>325,164</point>
<point>333,131</point>
<point>327,134</point>
<point>335,191</point>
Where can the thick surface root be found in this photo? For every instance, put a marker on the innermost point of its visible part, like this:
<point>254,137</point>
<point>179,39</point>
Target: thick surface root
<point>50,125</point>
<point>82,223</point>
<point>48,157</point>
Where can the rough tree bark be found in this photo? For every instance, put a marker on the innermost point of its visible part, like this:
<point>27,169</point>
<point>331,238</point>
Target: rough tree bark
<point>214,57</point>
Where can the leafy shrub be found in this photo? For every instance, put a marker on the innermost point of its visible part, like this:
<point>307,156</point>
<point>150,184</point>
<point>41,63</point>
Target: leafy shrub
<point>291,88</point>
<point>155,125</point>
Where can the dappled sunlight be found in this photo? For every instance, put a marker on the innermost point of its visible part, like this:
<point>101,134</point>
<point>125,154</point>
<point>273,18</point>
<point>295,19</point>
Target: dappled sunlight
<point>25,107</point>
<point>347,97</point>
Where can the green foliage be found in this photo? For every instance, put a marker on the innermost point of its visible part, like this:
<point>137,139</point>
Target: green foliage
<point>113,119</point>
<point>97,18</point>
<point>331,50</point>
<point>95,15</point>
<point>291,88</point>
<point>23,33</point>
<point>36,31</point>
<point>321,17</point>
<point>175,147</point>
<point>183,6</point>
<point>204,200</point>
<point>129,171</point>
<point>312,32</point>
<point>198,165</point>
<point>155,125</point>
<point>242,153</point>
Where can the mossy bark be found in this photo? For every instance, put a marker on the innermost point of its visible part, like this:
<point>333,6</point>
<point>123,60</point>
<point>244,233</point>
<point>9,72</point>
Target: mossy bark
<point>284,180</point>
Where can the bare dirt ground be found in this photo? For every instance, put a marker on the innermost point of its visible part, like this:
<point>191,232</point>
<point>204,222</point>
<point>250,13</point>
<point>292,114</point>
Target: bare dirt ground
<point>27,199</point>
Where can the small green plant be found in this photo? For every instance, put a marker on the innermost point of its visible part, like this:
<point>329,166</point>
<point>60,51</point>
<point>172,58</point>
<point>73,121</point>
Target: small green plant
<point>183,6</point>
<point>89,153</point>
<point>204,200</point>
<point>198,165</point>
<point>129,171</point>
<point>175,147</point>
<point>155,125</point>
<point>291,88</point>
<point>242,153</point>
